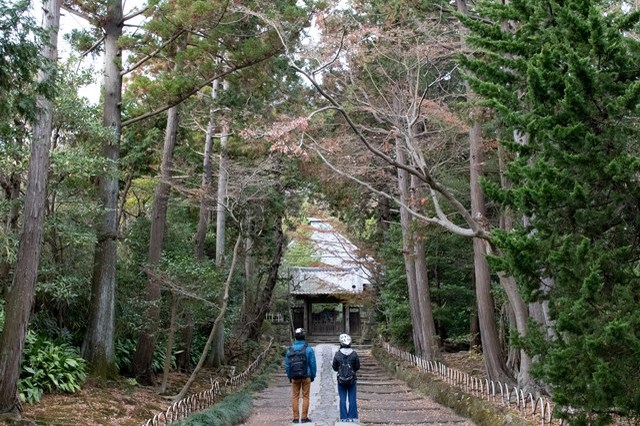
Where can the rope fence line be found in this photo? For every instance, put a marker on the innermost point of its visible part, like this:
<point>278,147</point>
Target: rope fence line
<point>529,406</point>
<point>182,409</point>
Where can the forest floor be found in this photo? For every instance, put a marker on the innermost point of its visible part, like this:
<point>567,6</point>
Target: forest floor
<point>125,403</point>
<point>120,403</point>
<point>469,362</point>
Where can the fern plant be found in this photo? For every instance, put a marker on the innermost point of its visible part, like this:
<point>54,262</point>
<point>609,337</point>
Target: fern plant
<point>49,366</point>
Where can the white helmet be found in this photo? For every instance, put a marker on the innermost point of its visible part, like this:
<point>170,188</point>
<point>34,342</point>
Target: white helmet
<point>345,339</point>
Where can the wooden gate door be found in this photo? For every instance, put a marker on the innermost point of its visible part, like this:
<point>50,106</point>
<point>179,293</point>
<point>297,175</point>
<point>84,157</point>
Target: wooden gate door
<point>325,322</point>
<point>354,321</point>
<point>298,317</point>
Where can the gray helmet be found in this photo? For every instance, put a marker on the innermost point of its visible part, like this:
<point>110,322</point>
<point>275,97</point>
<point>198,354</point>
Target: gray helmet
<point>299,334</point>
<point>345,340</point>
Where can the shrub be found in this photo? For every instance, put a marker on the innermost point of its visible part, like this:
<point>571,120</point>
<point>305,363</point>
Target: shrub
<point>49,366</point>
<point>126,349</point>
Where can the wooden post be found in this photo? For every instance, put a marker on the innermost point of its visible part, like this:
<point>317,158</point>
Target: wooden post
<point>306,321</point>
<point>345,315</point>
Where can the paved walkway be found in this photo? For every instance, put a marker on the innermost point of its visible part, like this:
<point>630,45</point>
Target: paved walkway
<point>382,399</point>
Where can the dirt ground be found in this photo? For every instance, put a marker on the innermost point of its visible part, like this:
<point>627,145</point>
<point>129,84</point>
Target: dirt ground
<point>120,403</point>
<point>467,361</point>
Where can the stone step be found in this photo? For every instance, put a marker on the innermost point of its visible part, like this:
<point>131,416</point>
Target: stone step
<point>382,399</point>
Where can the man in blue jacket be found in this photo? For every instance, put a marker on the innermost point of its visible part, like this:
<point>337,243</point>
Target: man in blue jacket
<point>300,364</point>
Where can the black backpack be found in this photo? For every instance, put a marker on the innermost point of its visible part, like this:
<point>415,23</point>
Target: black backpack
<point>298,362</point>
<point>346,376</point>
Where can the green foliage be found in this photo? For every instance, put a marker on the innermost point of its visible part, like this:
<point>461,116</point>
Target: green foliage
<point>300,253</point>
<point>85,41</point>
<point>566,76</point>
<point>126,350</point>
<point>20,61</point>
<point>452,298</point>
<point>393,299</point>
<point>49,366</point>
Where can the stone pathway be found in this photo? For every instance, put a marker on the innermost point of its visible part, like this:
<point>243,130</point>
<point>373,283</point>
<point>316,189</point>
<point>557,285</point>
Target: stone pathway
<point>382,399</point>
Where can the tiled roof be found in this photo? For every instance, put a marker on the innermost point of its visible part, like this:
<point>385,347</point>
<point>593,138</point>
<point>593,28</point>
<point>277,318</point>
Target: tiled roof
<point>342,271</point>
<point>314,285</point>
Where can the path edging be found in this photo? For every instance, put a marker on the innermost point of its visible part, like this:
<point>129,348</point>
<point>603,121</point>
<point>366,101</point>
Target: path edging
<point>479,411</point>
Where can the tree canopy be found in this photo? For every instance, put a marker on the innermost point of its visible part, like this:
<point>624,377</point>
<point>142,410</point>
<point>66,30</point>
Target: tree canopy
<point>563,78</point>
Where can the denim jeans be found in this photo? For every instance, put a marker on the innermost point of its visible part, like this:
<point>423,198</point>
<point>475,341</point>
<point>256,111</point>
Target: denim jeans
<point>348,393</point>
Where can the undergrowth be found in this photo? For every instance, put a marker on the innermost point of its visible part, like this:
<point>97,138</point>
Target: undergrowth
<point>49,366</point>
<point>234,408</point>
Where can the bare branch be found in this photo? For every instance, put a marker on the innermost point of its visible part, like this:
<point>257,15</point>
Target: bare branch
<point>447,75</point>
<point>152,54</point>
<point>92,48</point>
<point>441,220</point>
<point>67,6</point>
<point>195,90</point>
<point>218,320</point>
<point>135,13</point>
<point>335,57</point>
<point>168,283</point>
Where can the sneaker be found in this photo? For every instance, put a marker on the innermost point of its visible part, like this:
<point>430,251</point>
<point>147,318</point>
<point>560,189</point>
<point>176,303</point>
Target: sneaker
<point>307,420</point>
<point>295,421</point>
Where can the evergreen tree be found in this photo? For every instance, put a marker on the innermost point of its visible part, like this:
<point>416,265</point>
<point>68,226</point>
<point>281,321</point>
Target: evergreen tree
<point>563,78</point>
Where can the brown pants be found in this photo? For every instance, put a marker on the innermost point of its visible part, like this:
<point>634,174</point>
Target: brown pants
<point>303,385</point>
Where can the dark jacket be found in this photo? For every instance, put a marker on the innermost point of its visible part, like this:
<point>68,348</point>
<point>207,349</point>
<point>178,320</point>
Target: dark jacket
<point>311,359</point>
<point>346,355</point>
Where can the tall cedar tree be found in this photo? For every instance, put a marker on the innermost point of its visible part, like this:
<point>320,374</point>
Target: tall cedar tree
<point>20,296</point>
<point>564,74</point>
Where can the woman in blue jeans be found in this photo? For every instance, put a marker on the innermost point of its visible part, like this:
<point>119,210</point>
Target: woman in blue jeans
<point>346,363</point>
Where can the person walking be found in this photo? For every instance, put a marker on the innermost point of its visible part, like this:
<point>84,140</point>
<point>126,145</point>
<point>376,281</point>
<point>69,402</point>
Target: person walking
<point>346,363</point>
<point>300,365</point>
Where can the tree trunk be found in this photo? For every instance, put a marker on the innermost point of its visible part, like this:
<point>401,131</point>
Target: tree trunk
<point>21,294</point>
<point>520,310</point>
<point>217,354</point>
<point>98,347</point>
<point>123,200</point>
<point>475,344</point>
<point>183,359</point>
<point>494,363</point>
<point>218,320</point>
<point>408,249</point>
<point>143,359</point>
<point>262,307</point>
<point>384,214</point>
<point>175,301</point>
<point>249,296</point>
<point>223,181</point>
<point>431,346</point>
<point>11,227</point>
<point>205,187</point>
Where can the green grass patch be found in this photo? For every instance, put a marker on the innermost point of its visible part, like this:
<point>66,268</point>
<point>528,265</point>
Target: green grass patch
<point>236,407</point>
